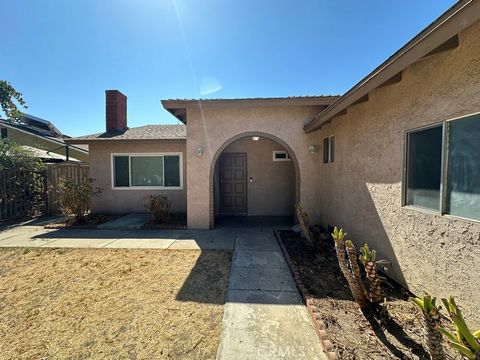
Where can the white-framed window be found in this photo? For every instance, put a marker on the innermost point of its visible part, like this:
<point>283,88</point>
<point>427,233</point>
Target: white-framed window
<point>442,167</point>
<point>147,171</point>
<point>329,149</point>
<point>280,155</point>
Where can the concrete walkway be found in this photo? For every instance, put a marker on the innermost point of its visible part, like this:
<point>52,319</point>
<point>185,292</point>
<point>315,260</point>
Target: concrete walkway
<point>36,236</point>
<point>133,221</point>
<point>264,317</point>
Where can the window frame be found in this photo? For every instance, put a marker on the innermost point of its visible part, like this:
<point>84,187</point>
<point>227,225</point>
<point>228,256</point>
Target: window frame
<point>287,158</point>
<point>130,155</point>
<point>445,124</point>
<point>329,158</point>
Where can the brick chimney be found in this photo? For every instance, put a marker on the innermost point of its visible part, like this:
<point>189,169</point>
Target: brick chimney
<point>116,110</point>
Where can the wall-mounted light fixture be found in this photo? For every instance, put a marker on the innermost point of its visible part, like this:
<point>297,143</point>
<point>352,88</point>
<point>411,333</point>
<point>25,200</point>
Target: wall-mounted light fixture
<point>255,138</point>
<point>199,150</point>
<point>312,149</point>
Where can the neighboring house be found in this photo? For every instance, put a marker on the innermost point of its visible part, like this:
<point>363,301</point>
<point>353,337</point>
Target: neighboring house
<point>43,138</point>
<point>395,160</point>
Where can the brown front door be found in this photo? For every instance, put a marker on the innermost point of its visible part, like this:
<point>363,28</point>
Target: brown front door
<point>233,183</point>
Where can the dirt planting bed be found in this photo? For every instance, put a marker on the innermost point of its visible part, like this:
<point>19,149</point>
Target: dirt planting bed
<point>174,222</point>
<point>91,221</point>
<point>111,304</point>
<point>394,333</point>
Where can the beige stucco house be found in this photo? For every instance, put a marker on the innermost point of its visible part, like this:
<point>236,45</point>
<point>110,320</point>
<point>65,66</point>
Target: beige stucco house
<point>395,160</point>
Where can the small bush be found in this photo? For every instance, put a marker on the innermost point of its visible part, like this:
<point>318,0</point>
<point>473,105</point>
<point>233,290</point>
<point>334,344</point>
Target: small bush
<point>74,197</point>
<point>159,206</point>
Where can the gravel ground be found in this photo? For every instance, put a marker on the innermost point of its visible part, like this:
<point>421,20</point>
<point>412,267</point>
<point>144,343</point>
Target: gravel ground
<point>115,304</point>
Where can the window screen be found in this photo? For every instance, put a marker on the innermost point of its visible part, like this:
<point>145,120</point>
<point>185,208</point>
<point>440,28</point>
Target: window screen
<point>332,148</point>
<point>424,168</point>
<point>463,184</point>
<point>147,170</point>
<point>172,171</point>
<point>325,151</point>
<point>121,171</point>
<point>328,149</point>
<point>280,156</point>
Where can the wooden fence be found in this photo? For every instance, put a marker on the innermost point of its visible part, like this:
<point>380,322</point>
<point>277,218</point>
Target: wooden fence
<point>27,194</point>
<point>76,171</point>
<point>23,194</point>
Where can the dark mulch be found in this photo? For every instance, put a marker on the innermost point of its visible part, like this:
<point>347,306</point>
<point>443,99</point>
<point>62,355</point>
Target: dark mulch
<point>91,222</point>
<point>394,333</point>
<point>174,222</point>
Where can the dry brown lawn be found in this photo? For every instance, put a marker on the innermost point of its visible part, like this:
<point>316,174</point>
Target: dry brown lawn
<point>111,304</point>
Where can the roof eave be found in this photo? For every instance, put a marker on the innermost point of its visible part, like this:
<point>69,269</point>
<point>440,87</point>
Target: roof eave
<point>179,107</point>
<point>457,18</point>
<point>90,140</point>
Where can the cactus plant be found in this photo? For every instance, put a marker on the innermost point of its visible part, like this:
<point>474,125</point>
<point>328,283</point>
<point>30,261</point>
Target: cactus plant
<point>463,340</point>
<point>431,317</point>
<point>357,292</point>
<point>368,258</point>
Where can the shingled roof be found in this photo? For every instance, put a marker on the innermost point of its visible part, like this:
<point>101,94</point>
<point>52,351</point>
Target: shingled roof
<point>147,132</point>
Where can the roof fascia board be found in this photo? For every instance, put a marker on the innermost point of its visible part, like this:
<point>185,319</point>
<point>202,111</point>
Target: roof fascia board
<point>448,25</point>
<point>182,104</point>
<point>86,141</point>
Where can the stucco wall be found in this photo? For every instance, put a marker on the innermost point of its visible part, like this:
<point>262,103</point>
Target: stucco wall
<point>211,128</point>
<point>362,190</point>
<point>124,201</point>
<point>272,192</point>
<point>39,143</point>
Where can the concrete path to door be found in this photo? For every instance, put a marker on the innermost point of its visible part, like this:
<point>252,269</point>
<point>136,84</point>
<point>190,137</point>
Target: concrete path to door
<point>37,236</point>
<point>264,317</point>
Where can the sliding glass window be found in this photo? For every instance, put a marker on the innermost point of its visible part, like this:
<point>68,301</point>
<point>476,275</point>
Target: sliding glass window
<point>443,167</point>
<point>146,171</point>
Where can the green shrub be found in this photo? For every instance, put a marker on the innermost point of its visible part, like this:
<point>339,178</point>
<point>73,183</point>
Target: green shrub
<point>74,197</point>
<point>159,206</point>
<point>16,157</point>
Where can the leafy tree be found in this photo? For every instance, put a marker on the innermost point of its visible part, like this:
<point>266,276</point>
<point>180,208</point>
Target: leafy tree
<point>16,157</point>
<point>8,96</point>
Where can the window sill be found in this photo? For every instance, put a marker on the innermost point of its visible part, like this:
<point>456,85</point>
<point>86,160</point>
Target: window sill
<point>455,217</point>
<point>437,213</point>
<point>158,188</point>
<point>422,210</point>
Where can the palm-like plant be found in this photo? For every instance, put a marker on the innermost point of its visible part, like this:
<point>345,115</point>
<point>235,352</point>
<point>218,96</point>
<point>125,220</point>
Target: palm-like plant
<point>368,258</point>
<point>462,340</point>
<point>355,269</point>
<point>304,221</point>
<point>431,317</point>
<point>358,294</point>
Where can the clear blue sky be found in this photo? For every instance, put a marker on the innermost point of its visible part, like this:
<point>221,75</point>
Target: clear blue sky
<point>62,55</point>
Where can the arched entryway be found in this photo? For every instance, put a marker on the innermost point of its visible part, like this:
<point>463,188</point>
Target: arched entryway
<point>269,158</point>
